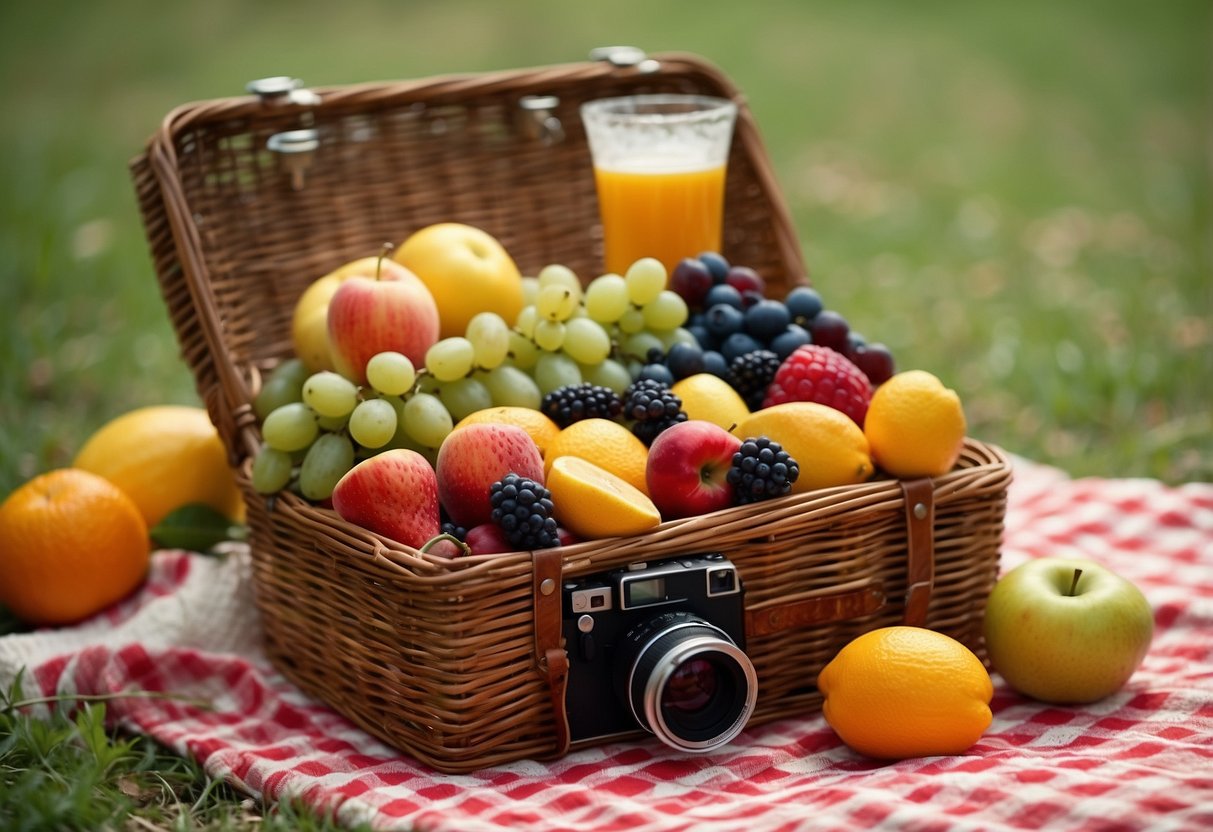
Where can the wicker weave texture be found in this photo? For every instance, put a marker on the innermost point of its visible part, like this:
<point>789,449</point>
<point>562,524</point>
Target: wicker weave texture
<point>436,657</point>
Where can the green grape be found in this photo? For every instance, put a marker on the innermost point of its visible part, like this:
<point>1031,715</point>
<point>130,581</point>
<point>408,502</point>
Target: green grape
<point>558,275</point>
<point>549,335</point>
<point>373,423</point>
<point>556,303</point>
<point>330,394</point>
<point>585,341</point>
<point>525,322</point>
<point>530,288</point>
<point>523,351</point>
<point>638,345</point>
<point>291,427</point>
<point>631,321</point>
<point>606,298</point>
<point>427,420</point>
<point>645,279</point>
<point>490,339</point>
<point>271,470</point>
<point>391,373</point>
<point>465,396</point>
<point>333,424</point>
<point>283,386</point>
<point>681,335</point>
<point>511,387</point>
<point>609,373</point>
<point>326,462</point>
<point>555,369</point>
<point>426,383</point>
<point>450,358</point>
<point>666,311</point>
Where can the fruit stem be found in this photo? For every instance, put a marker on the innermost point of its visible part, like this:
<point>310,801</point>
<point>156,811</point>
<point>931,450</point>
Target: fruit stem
<point>463,547</point>
<point>1074,583</point>
<point>384,252</point>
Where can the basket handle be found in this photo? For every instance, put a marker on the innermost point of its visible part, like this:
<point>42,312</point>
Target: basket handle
<point>920,549</point>
<point>552,659</point>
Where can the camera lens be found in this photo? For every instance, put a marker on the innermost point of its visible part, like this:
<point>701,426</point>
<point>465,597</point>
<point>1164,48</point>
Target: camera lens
<point>687,682</point>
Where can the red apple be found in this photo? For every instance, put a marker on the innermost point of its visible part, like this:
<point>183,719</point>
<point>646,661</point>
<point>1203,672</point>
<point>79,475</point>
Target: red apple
<point>688,467</point>
<point>488,539</point>
<point>474,457</point>
<point>394,493</point>
<point>389,308</point>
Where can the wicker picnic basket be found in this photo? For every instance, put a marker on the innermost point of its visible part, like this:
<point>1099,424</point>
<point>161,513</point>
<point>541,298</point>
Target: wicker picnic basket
<point>459,663</point>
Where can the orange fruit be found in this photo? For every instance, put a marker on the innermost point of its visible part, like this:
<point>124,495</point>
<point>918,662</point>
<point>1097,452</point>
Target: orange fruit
<point>900,692</point>
<point>826,443</point>
<point>591,502</point>
<point>915,426</point>
<point>164,457</point>
<point>607,444</point>
<point>541,429</point>
<point>71,544</point>
<point>711,398</point>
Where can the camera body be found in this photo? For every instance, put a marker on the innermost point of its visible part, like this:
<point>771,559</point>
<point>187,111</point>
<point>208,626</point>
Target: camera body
<point>659,646</point>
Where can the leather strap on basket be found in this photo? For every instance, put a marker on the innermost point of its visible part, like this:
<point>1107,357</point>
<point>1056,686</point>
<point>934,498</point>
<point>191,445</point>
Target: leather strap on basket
<point>552,659</point>
<point>920,549</point>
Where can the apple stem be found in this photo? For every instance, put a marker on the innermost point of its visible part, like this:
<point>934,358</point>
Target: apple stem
<point>387,249</point>
<point>1074,583</point>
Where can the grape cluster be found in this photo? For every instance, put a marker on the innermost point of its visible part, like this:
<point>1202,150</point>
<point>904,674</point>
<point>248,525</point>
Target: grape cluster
<point>731,319</point>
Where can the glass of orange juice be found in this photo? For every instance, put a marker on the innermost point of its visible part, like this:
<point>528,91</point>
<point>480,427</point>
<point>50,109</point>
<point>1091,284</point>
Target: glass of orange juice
<point>659,164</point>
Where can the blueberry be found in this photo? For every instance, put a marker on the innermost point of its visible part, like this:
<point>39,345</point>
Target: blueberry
<point>657,372</point>
<point>803,304</point>
<point>718,267</point>
<point>705,338</point>
<point>715,363</point>
<point>739,343</point>
<point>722,293</point>
<point>723,320</point>
<point>766,319</point>
<point>787,341</point>
<point>684,360</point>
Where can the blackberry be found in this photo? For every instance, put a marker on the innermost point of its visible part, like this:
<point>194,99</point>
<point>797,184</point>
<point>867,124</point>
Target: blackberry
<point>751,373</point>
<point>574,402</point>
<point>761,469</point>
<point>652,408</point>
<point>522,508</point>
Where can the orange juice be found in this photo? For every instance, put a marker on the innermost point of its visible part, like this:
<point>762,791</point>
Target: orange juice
<point>664,214</point>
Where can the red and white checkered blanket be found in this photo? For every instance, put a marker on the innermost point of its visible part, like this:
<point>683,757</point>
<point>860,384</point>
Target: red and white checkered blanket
<point>1141,759</point>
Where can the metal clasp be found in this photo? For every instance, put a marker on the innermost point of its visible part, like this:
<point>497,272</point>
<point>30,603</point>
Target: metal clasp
<point>539,120</point>
<point>625,56</point>
<point>297,149</point>
<point>282,88</point>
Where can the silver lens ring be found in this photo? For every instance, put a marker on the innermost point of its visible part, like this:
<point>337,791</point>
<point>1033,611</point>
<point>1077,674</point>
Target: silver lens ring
<point>726,660</point>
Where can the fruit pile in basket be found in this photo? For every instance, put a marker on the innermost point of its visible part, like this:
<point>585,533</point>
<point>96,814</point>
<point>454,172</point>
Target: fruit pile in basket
<point>436,391</point>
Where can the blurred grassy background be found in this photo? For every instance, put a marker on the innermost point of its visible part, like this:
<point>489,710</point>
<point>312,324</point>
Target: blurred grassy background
<point>1014,196</point>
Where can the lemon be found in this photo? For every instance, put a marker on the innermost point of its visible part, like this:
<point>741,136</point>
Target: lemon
<point>592,502</point>
<point>541,429</point>
<point>915,426</point>
<point>164,457</point>
<point>712,399</point>
<point>607,444</point>
<point>900,692</point>
<point>826,443</point>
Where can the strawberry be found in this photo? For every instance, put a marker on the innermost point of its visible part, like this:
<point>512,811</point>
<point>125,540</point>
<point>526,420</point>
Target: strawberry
<point>813,373</point>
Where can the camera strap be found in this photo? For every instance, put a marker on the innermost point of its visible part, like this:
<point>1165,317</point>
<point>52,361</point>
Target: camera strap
<point>553,661</point>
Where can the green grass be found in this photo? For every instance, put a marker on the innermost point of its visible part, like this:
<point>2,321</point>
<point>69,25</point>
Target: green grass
<point>1014,196</point>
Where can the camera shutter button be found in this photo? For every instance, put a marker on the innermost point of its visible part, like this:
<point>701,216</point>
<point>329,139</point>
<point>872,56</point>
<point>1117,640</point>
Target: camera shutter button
<point>586,645</point>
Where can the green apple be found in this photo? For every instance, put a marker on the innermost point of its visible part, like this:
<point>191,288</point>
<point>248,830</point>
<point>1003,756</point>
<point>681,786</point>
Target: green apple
<point>1066,630</point>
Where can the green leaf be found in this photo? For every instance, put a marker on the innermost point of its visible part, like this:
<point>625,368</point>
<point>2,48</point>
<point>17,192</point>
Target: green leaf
<point>195,527</point>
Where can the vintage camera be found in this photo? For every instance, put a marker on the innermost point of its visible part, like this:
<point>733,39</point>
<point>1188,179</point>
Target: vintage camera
<point>659,646</point>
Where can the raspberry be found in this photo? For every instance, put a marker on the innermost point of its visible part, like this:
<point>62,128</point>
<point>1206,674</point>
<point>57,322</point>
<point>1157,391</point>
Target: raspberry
<point>574,402</point>
<point>523,510</point>
<point>761,469</point>
<point>652,408</point>
<point>814,373</point>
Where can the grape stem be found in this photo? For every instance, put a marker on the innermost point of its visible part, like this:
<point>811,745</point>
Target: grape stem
<point>433,541</point>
